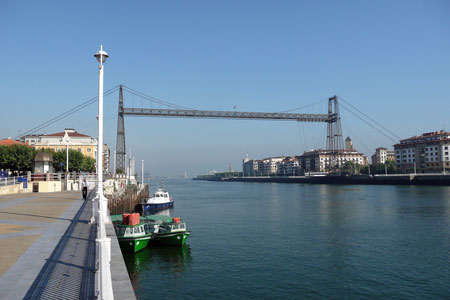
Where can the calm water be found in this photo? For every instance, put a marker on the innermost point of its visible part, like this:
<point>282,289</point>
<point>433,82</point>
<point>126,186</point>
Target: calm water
<point>295,241</point>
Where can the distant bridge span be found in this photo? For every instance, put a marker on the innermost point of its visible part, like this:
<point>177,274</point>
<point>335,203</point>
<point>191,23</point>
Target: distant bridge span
<point>334,131</point>
<point>216,114</point>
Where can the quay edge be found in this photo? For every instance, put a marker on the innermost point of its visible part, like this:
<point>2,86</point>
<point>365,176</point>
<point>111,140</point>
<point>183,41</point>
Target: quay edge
<point>397,179</point>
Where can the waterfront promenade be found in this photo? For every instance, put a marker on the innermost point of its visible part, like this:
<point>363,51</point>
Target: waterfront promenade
<point>48,248</point>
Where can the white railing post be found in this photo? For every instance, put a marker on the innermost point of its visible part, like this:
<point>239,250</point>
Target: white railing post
<point>103,242</point>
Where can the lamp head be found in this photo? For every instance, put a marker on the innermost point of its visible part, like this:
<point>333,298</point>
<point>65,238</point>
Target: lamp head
<point>101,55</point>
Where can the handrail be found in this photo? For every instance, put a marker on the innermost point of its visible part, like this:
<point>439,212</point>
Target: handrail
<point>104,284</point>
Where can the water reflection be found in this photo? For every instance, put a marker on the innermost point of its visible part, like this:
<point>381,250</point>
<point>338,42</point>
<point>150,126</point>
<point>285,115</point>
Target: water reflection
<point>171,260</point>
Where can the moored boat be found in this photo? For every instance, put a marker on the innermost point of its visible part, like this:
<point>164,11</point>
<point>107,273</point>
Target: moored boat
<point>167,230</point>
<point>160,200</point>
<point>132,236</point>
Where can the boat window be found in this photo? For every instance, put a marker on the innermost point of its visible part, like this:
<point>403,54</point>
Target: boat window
<point>128,231</point>
<point>136,230</point>
<point>182,225</point>
<point>121,231</point>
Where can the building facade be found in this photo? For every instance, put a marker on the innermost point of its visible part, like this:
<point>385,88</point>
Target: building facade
<point>427,153</point>
<point>59,141</point>
<point>69,138</point>
<point>262,167</point>
<point>382,155</point>
<point>327,160</point>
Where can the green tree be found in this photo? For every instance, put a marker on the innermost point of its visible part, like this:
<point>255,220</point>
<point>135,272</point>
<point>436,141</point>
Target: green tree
<point>88,164</point>
<point>351,167</point>
<point>75,160</point>
<point>17,158</point>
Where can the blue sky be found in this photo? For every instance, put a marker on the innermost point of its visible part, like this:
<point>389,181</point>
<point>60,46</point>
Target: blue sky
<point>390,59</point>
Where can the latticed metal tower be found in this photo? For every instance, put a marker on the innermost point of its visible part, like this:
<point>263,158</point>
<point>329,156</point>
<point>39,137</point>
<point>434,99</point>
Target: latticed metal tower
<point>120,142</point>
<point>335,142</point>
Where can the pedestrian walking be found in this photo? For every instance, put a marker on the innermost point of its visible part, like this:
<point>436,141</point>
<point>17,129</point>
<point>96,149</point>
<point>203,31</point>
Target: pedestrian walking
<point>84,186</point>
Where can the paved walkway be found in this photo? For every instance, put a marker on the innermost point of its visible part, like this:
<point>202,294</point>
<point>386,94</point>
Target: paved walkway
<point>39,259</point>
<point>48,248</point>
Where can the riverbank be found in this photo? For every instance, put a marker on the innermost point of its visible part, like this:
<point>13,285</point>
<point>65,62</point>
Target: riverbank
<point>395,179</point>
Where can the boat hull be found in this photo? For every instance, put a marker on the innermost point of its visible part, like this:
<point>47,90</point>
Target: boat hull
<point>170,239</point>
<point>146,208</point>
<point>130,244</point>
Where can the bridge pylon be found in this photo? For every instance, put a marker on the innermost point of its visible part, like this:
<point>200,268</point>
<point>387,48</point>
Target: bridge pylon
<point>120,142</point>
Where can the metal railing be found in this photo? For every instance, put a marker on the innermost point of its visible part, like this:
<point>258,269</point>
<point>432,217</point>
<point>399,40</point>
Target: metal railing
<point>6,181</point>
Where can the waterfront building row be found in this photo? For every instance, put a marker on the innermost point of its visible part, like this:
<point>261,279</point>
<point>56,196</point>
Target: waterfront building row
<point>311,161</point>
<point>427,153</point>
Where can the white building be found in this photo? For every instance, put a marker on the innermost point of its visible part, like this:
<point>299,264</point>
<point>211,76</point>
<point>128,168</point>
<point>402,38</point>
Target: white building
<point>427,153</point>
<point>382,155</point>
<point>327,160</point>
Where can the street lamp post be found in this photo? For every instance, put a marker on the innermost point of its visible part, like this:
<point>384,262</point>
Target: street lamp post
<point>142,173</point>
<point>67,155</point>
<point>104,243</point>
<point>101,57</point>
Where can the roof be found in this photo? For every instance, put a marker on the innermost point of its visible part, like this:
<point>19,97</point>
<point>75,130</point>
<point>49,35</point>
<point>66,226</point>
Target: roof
<point>9,142</point>
<point>71,134</point>
<point>162,218</point>
<point>43,156</point>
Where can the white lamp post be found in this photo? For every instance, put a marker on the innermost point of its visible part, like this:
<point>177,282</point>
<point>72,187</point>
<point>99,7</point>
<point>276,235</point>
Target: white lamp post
<point>67,154</point>
<point>101,57</point>
<point>104,242</point>
<point>142,173</point>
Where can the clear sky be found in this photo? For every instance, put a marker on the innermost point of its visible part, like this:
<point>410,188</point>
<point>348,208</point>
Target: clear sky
<point>390,59</point>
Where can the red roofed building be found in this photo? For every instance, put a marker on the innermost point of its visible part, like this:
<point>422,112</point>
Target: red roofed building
<point>9,142</point>
<point>59,141</point>
<point>427,153</point>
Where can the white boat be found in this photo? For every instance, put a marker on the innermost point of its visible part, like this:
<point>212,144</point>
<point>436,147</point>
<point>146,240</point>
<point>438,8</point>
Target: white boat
<point>160,200</point>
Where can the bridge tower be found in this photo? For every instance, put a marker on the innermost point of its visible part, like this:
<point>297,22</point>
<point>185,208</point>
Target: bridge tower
<point>335,142</point>
<point>120,142</point>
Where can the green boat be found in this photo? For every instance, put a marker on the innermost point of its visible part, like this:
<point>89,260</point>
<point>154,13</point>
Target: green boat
<point>132,238</point>
<point>167,230</point>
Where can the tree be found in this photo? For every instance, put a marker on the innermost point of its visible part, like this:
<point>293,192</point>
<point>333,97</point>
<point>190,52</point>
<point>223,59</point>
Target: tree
<point>388,166</point>
<point>77,161</point>
<point>17,158</point>
<point>88,164</point>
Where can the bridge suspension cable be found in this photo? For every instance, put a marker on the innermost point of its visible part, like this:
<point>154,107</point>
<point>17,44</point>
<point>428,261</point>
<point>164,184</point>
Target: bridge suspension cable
<point>387,130</point>
<point>371,125</point>
<point>152,99</point>
<point>67,113</point>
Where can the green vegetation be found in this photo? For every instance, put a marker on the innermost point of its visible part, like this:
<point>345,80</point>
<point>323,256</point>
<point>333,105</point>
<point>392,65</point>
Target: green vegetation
<point>77,161</point>
<point>388,166</point>
<point>17,158</point>
<point>20,158</point>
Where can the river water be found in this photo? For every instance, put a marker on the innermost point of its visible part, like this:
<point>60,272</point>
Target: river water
<point>301,241</point>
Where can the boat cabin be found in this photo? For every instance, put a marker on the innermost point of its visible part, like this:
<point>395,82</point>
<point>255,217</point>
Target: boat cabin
<point>130,231</point>
<point>161,194</point>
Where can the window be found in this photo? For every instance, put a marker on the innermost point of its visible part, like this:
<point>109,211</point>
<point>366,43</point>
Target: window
<point>79,149</point>
<point>89,150</point>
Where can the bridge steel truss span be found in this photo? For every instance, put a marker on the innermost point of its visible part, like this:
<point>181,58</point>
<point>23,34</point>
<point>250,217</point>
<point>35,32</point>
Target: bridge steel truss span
<point>215,114</point>
<point>334,131</point>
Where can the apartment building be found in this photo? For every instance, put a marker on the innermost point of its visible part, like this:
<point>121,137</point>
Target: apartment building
<point>382,155</point>
<point>326,160</point>
<point>427,153</point>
